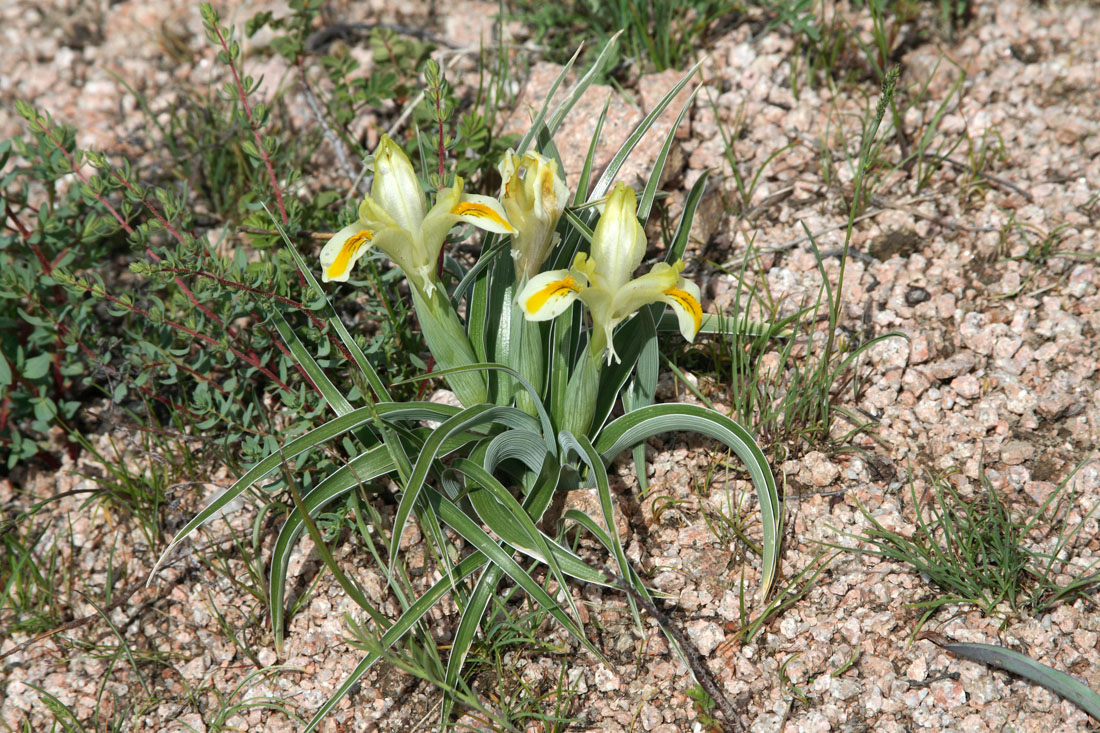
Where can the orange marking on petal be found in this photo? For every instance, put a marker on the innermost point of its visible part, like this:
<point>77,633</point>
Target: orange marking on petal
<point>555,289</point>
<point>689,303</point>
<point>348,251</point>
<point>469,208</point>
<point>548,187</point>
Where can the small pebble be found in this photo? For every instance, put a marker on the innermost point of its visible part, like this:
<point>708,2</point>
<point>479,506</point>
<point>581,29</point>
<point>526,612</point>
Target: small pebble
<point>916,296</point>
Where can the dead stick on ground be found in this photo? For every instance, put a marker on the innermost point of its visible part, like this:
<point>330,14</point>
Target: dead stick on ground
<point>126,595</point>
<point>333,139</point>
<point>694,658</point>
<point>76,622</point>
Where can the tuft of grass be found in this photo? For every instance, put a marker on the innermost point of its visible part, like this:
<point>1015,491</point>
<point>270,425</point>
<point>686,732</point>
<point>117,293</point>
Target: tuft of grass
<point>745,181</point>
<point>657,34</point>
<point>788,388</point>
<point>840,45</point>
<point>793,591</point>
<point>1034,244</point>
<point>36,582</point>
<point>979,552</point>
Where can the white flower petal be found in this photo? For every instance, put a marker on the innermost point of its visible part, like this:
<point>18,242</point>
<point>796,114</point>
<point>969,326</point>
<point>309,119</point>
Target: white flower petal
<point>343,249</point>
<point>618,243</point>
<point>484,212</point>
<point>548,190</point>
<point>548,294</point>
<point>396,189</point>
<point>684,299</point>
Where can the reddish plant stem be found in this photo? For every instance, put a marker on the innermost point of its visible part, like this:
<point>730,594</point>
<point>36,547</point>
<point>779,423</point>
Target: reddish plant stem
<point>249,358</point>
<point>424,383</point>
<point>125,224</point>
<point>57,259</point>
<point>236,285</point>
<point>26,235</point>
<point>441,148</point>
<point>58,295</point>
<point>252,123</point>
<point>156,258</point>
<point>252,358</point>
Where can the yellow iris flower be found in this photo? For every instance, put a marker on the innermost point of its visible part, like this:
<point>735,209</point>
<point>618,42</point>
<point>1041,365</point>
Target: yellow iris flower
<point>604,281</point>
<point>534,196</point>
<point>395,219</point>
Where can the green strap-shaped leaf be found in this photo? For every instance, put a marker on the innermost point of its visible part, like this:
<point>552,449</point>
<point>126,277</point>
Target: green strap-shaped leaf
<point>476,536</point>
<point>361,416</point>
<point>500,510</point>
<point>360,470</point>
<point>396,631</point>
<point>525,447</point>
<point>597,471</point>
<point>334,397</point>
<point>580,195</point>
<point>602,536</point>
<point>498,338</point>
<point>380,391</point>
<point>687,216</point>
<point>512,417</point>
<point>512,523</point>
<point>630,340</point>
<point>728,325</point>
<point>636,135</point>
<point>574,94</point>
<point>645,203</point>
<point>499,556</point>
<point>634,427</point>
<point>643,387</point>
<point>484,590</point>
<point>1054,680</point>
<point>567,338</point>
<point>474,278</point>
<point>459,423</point>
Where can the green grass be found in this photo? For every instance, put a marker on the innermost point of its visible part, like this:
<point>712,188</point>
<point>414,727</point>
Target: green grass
<point>831,47</point>
<point>788,381</point>
<point>36,581</point>
<point>657,34</point>
<point>979,552</point>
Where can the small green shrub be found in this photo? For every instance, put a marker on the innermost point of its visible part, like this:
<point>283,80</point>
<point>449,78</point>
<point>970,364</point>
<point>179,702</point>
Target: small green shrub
<point>50,340</point>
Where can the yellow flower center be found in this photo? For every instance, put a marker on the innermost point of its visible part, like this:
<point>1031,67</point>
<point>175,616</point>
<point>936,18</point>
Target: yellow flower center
<point>348,251</point>
<point>557,288</point>
<point>689,303</point>
<point>469,208</point>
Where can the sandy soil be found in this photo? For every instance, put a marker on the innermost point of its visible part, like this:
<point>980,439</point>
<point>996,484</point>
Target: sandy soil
<point>997,371</point>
